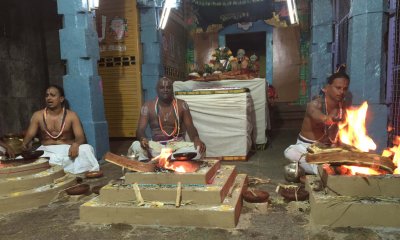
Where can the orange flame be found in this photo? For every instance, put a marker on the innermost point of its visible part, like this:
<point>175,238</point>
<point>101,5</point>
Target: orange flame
<point>353,131</point>
<point>394,152</point>
<point>177,166</point>
<point>354,170</point>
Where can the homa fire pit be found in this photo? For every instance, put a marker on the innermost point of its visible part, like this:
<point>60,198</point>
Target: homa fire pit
<point>208,196</point>
<point>353,188</point>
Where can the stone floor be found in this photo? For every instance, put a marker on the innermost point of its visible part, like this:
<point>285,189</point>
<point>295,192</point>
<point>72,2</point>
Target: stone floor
<point>276,220</point>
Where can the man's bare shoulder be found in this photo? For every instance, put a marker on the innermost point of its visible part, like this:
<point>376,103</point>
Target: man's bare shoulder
<point>316,102</point>
<point>38,115</point>
<point>149,103</point>
<point>183,104</point>
<point>314,105</point>
<point>72,115</point>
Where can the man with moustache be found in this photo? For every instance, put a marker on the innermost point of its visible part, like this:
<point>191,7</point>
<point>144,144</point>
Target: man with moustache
<point>320,123</point>
<point>169,119</point>
<point>61,135</point>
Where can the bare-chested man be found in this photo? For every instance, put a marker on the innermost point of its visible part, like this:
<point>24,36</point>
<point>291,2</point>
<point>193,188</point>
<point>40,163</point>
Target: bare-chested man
<point>321,118</point>
<point>61,135</point>
<point>169,119</point>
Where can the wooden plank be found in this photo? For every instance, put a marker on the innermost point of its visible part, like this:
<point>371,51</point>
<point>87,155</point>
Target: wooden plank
<point>352,158</point>
<point>128,163</point>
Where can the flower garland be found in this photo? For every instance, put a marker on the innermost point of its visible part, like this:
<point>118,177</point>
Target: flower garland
<point>46,129</point>
<point>176,122</point>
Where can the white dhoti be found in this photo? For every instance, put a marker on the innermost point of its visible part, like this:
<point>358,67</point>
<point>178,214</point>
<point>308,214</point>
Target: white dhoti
<point>58,154</point>
<point>155,149</point>
<point>2,150</point>
<point>296,153</point>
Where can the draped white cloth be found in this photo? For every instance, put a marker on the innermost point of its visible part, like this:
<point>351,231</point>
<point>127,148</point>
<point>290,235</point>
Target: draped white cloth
<point>258,89</point>
<point>225,122</point>
<point>58,154</point>
<point>2,150</point>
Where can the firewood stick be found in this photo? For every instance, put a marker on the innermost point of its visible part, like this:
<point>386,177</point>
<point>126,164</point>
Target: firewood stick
<point>359,158</point>
<point>138,195</point>
<point>129,163</point>
<point>178,195</point>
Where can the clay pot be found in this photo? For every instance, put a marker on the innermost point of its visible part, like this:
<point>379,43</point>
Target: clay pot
<point>96,189</point>
<point>294,193</point>
<point>94,174</point>
<point>255,196</point>
<point>78,189</point>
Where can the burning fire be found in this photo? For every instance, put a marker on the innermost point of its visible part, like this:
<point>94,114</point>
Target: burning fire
<point>395,153</point>
<point>353,170</point>
<point>177,166</point>
<point>353,132</point>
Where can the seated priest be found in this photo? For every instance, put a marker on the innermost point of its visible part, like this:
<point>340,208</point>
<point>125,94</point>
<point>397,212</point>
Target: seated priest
<point>168,118</point>
<point>320,123</point>
<point>61,135</point>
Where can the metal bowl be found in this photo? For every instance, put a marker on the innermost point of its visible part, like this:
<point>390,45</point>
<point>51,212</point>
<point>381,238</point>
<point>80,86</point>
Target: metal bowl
<point>293,172</point>
<point>187,156</point>
<point>32,154</point>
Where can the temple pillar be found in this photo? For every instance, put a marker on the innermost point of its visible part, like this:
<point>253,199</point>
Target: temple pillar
<point>82,84</point>
<point>321,42</point>
<point>366,64</point>
<point>150,38</point>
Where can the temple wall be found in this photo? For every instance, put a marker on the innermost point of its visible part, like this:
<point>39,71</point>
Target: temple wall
<point>29,59</point>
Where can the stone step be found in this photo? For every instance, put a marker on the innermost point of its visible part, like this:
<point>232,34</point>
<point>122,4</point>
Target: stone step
<point>17,169</point>
<point>22,183</point>
<point>203,176</point>
<point>213,193</point>
<point>225,215</point>
<point>35,197</point>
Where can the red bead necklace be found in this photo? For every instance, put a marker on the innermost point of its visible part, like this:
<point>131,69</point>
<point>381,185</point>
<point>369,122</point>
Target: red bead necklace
<point>176,122</point>
<point>62,124</point>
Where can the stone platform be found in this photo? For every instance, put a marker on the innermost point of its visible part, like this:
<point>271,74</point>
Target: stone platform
<point>30,185</point>
<point>213,193</point>
<point>216,204</point>
<point>358,208</point>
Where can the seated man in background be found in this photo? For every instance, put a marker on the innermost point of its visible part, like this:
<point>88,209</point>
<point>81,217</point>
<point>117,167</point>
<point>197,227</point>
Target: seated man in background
<point>168,118</point>
<point>320,123</point>
<point>61,135</point>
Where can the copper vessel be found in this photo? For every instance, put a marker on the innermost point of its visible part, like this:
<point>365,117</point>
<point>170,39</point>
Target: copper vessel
<point>14,142</point>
